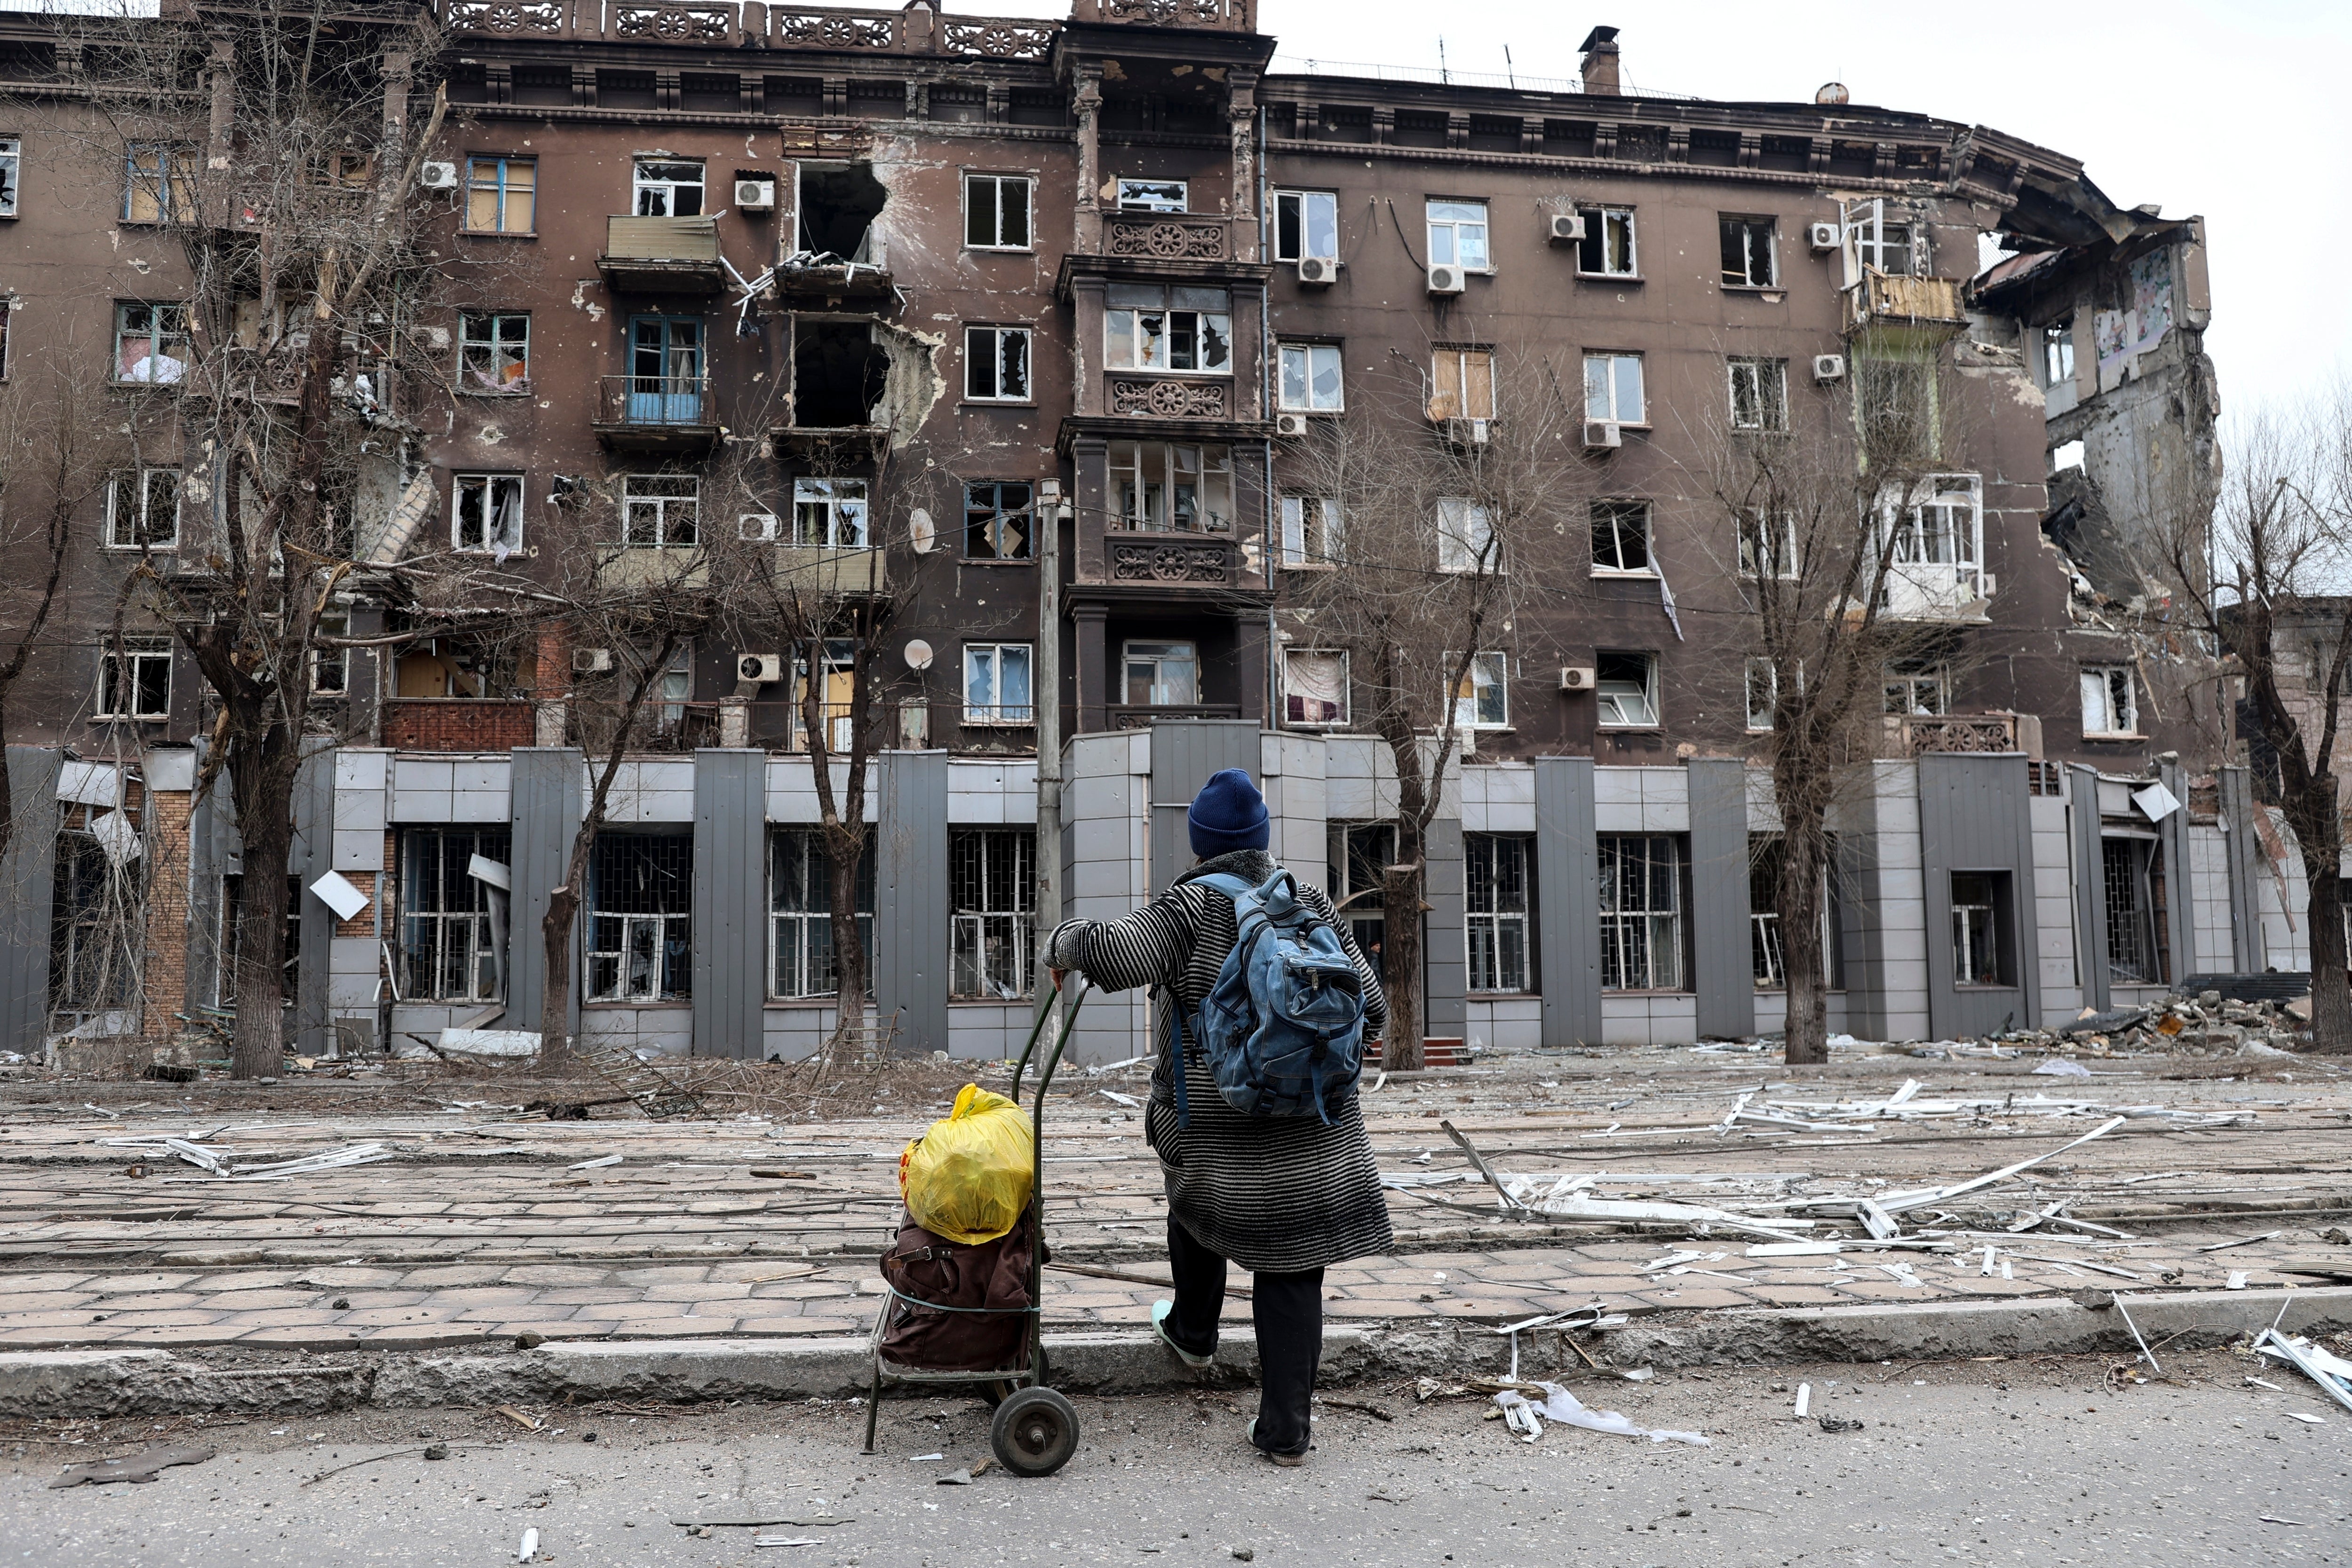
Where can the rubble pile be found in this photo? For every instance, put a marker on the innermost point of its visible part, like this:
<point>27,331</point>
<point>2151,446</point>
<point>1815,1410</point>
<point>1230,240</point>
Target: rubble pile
<point>2206,1026</point>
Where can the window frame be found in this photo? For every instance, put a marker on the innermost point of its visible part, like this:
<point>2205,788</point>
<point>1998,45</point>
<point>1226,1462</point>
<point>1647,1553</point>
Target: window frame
<point>2107,676</point>
<point>847,507</point>
<point>995,356</point>
<point>1308,353</point>
<point>674,981</point>
<point>1616,508</point>
<point>1769,393</point>
<point>1293,720</point>
<point>1028,183</point>
<point>172,191</point>
<point>479,922</point>
<point>141,651</point>
<point>486,484</point>
<point>1915,675</point>
<point>324,658</point>
<point>1128,654</point>
<point>980,937</point>
<point>999,714</point>
<point>1759,665</point>
<point>661,502</point>
<point>1662,865</point>
<point>1211,478</point>
<point>502,191</point>
<point>1747,228</point>
<point>1314,534</point>
<point>159,336</point>
<point>1610,359</point>
<point>1606,701</point>
<point>1497,924</point>
<point>642,189</point>
<point>144,478</point>
<point>1465,375</point>
<point>1128,195</point>
<point>1125,333</point>
<point>1454,227</point>
<point>12,175</point>
<point>1298,197</point>
<point>495,345</point>
<point>1495,664</point>
<point>999,523</point>
<point>1467,542</point>
<point>2057,344</point>
<point>812,922</point>
<point>1755,531</point>
<point>1999,919</point>
<point>1596,238</point>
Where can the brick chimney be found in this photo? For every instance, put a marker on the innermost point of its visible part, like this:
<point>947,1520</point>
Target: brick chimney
<point>1599,50</point>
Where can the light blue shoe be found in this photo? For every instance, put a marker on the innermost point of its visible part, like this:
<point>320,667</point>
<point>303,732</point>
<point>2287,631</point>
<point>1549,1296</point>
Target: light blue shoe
<point>1287,1461</point>
<point>1160,1310</point>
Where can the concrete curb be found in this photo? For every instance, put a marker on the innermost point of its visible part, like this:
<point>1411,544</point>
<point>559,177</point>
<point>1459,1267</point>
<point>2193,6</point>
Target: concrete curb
<point>87,1383</point>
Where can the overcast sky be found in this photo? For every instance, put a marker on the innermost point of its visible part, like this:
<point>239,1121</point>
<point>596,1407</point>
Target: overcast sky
<point>2239,109</point>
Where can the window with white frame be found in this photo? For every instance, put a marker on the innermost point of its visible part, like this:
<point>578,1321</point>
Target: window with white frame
<point>1457,235</point>
<point>1160,485</point>
<point>2110,701</point>
<point>1310,379</point>
<point>1306,225</point>
<point>1161,674</point>
<point>800,947</point>
<point>2058,353</point>
<point>1620,538</point>
<point>667,188</point>
<point>1606,249</point>
<point>998,520</point>
<point>1626,684</point>
<point>832,513</point>
<point>494,352</point>
<point>501,195</point>
<point>1461,383</point>
<point>237,920</point>
<point>1483,698</point>
<point>151,343</point>
<point>143,509</point>
<point>1767,545</point>
<point>1935,554</point>
<point>996,684</point>
<point>1613,389</point>
<point>1897,408</point>
<point>451,924</point>
<point>996,365</point>
<point>330,666</point>
<point>1465,537</point>
<point>1314,686</point>
<point>1160,326</point>
<point>674,687</point>
<point>486,513</point>
<point>993,893</point>
<point>640,924</point>
<point>12,167</point>
<point>1763,694</point>
<point>1920,688</point>
<point>1356,854</point>
<point>1312,533</point>
<point>996,212</point>
<point>159,184</point>
<point>659,511</point>
<point>1980,922</point>
<point>1747,259</point>
<point>1152,196</point>
<point>836,694</point>
<point>1641,912</point>
<point>1878,243</point>
<point>134,679</point>
<point>1768,951</point>
<point>1759,394</point>
<point>1497,892</point>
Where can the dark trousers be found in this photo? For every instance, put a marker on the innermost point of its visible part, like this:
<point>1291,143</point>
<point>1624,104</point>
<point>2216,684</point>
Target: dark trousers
<point>1288,1312</point>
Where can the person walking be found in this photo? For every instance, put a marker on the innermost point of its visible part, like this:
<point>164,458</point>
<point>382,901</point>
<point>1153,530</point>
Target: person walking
<point>1283,1197</point>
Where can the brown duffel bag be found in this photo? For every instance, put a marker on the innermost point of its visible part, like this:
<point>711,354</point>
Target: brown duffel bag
<point>924,1268</point>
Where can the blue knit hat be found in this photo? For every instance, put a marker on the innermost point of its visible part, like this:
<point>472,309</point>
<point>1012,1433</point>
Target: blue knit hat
<point>1228,814</point>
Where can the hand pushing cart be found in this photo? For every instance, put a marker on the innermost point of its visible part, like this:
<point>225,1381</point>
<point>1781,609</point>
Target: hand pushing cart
<point>1035,1429</point>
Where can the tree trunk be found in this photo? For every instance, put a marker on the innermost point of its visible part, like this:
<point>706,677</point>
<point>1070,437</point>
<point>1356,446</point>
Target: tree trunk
<point>849,962</point>
<point>1401,888</point>
<point>1805,967</point>
<point>2331,1003</point>
<point>555,992</point>
<point>265,826</point>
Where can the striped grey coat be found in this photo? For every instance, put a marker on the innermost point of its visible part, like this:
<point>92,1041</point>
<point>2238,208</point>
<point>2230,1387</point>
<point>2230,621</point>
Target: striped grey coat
<point>1275,1194</point>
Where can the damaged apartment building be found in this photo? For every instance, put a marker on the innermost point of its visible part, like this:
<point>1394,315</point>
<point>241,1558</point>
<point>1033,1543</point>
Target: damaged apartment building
<point>903,300</point>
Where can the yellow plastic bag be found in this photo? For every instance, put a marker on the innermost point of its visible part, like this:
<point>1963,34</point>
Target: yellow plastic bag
<point>970,1176</point>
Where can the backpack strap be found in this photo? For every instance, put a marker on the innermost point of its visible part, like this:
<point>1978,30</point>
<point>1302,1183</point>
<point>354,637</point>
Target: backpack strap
<point>1176,1017</point>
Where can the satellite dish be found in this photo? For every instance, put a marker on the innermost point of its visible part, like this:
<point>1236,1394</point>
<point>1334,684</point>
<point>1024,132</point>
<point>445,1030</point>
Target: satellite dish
<point>919,655</point>
<point>920,529</point>
<point>1832,92</point>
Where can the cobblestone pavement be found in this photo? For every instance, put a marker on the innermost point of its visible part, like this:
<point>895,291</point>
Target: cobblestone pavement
<point>484,1228</point>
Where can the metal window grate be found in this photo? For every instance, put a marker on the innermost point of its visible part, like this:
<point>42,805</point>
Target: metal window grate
<point>992,878</point>
<point>449,940</point>
<point>800,916</point>
<point>1641,913</point>
<point>640,943</point>
<point>2127,945</point>
<point>1495,916</point>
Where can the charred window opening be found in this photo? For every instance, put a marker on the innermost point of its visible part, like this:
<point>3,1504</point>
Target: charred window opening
<point>839,372</point>
<point>456,666</point>
<point>837,207</point>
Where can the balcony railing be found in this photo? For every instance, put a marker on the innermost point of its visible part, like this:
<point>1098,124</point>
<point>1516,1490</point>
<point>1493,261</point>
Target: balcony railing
<point>1164,236</point>
<point>1975,732</point>
<point>656,413</point>
<point>1937,590</point>
<point>726,24</point>
<point>1896,300</point>
<point>1141,715</point>
<point>826,572</point>
<point>1217,16</point>
<point>1171,557</point>
<point>662,256</point>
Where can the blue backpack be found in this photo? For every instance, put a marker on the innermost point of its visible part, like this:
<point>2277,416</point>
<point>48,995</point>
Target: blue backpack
<point>1282,1029</point>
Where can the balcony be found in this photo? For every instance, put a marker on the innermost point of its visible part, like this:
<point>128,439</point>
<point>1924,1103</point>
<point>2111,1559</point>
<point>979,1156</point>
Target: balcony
<point>656,413</point>
<point>653,569</point>
<point>820,571</point>
<point>806,280</point>
<point>1163,560</point>
<point>1927,306</point>
<point>1193,16</point>
<point>1975,732</point>
<point>662,256</point>
<point>1937,590</point>
<point>1169,397</point>
<point>1142,716</point>
<point>1164,236</point>
<point>458,724</point>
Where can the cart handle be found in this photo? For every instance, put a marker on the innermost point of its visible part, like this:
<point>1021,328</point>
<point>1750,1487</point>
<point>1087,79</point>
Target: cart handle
<point>1076,988</point>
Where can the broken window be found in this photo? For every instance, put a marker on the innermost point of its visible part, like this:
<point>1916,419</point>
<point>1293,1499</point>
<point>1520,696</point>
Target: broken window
<point>1620,537</point>
<point>97,921</point>
<point>838,374</point>
<point>2123,871</point>
<point>134,681</point>
<point>1626,685</point>
<point>1149,327</point>
<point>1311,531</point>
<point>667,188</point>
<point>1173,484</point>
<point>1483,699</point>
<point>830,514</point>
<point>453,668</point>
<point>997,520</point>
<point>836,694</point>
<point>996,212</point>
<point>234,923</point>
<point>1314,686</point>
<point>800,961</point>
<point>996,365</point>
<point>151,343</point>
<point>1163,675</point>
<point>1759,394</point>
<point>1767,545</point>
<point>1920,688</point>
<point>1152,197</point>
<point>1763,694</point>
<point>1457,235</point>
<point>1306,225</point>
<point>1641,878</point>
<point>501,195</point>
<point>666,384</point>
<point>143,509</point>
<point>159,184</point>
<point>493,352</point>
<point>1935,552</point>
<point>12,161</point>
<point>1311,379</point>
<point>2058,353</point>
<point>996,688</point>
<point>640,930</point>
<point>452,922</point>
<point>330,667</point>
<point>1980,954</point>
<point>1613,389</point>
<point>1465,537</point>
<point>660,509</point>
<point>1461,383</point>
<point>1606,249</point>
<point>1748,256</point>
<point>1355,854</point>
<point>839,203</point>
<point>992,888</point>
<point>1895,405</point>
<point>2110,705</point>
<point>486,513</point>
<point>1498,894</point>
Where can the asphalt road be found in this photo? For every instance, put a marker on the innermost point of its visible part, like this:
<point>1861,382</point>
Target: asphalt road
<point>1999,1462</point>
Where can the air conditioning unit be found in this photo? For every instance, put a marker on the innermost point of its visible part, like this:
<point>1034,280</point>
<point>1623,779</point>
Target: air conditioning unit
<point>592,661</point>
<point>755,196</point>
<point>1446,280</point>
<point>1317,269</point>
<point>1821,237</point>
<point>438,176</point>
<point>1291,426</point>
<point>1829,367</point>
<point>1576,677</point>
<point>1603,435</point>
<point>760,669</point>
<point>759,527</point>
<point>1567,228</point>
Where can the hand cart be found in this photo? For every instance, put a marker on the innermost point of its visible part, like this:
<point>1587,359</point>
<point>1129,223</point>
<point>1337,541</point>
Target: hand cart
<point>1035,1429</point>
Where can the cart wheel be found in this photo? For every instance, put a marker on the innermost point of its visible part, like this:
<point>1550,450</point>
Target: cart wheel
<point>997,1391</point>
<point>1034,1433</point>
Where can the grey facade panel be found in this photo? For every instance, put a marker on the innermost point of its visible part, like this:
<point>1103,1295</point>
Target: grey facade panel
<point>544,809</point>
<point>1567,901</point>
<point>311,856</point>
<point>1722,965</point>
<point>730,903</point>
<point>1445,962</point>
<point>1185,754</point>
<point>2090,907</point>
<point>2172,832</point>
<point>26,880</point>
<point>1862,933</point>
<point>911,915</point>
<point>212,851</point>
<point>2238,809</point>
<point>1975,815</point>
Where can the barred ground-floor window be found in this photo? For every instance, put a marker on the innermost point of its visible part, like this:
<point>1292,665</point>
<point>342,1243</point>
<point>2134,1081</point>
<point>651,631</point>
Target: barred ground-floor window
<point>451,924</point>
<point>1641,912</point>
<point>800,947</point>
<point>640,925</point>
<point>1500,895</point>
<point>992,878</point>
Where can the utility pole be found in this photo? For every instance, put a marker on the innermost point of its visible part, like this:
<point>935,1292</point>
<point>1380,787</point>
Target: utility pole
<point>1046,697</point>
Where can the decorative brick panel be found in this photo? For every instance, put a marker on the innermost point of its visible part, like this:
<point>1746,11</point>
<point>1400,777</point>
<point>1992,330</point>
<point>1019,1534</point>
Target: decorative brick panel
<point>457,723</point>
